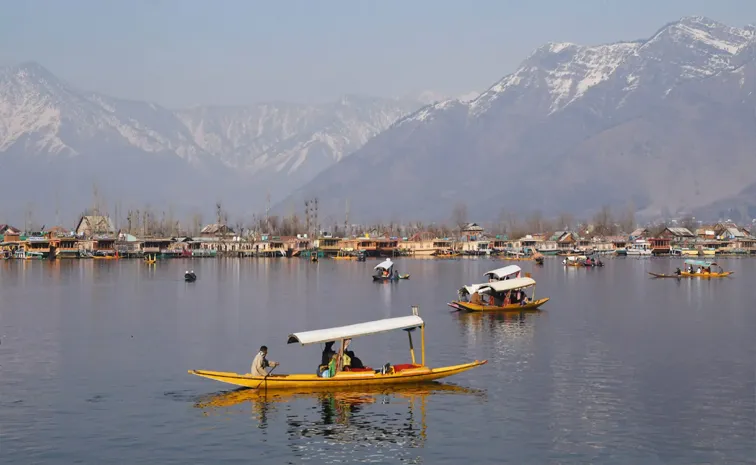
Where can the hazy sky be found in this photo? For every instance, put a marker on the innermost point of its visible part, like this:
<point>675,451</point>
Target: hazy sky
<point>184,52</point>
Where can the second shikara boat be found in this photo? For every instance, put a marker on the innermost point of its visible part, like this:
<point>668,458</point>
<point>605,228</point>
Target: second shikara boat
<point>407,373</point>
<point>498,296</point>
<point>384,271</point>
<point>696,269</point>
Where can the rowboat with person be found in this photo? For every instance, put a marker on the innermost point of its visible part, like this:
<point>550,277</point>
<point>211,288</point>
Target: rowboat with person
<point>388,374</point>
<point>384,271</point>
<point>696,269</point>
<point>499,296</point>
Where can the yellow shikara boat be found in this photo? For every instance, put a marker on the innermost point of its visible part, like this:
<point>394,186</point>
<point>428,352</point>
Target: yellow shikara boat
<point>150,261</point>
<point>409,373</point>
<point>344,255</point>
<point>498,297</point>
<point>702,265</point>
<point>446,254</point>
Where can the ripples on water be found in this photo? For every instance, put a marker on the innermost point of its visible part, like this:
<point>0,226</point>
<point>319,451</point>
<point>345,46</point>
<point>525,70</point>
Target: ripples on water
<point>618,369</point>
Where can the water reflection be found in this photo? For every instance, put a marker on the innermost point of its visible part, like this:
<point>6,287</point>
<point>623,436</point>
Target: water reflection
<point>476,325</point>
<point>373,423</point>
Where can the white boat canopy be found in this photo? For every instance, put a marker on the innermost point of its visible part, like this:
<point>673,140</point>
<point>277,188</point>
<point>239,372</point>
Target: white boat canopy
<point>503,272</point>
<point>471,289</point>
<point>359,329</point>
<point>384,265</point>
<point>508,285</point>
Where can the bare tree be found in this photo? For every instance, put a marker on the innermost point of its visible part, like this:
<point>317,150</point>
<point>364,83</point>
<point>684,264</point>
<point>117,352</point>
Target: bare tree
<point>196,223</point>
<point>565,221</point>
<point>459,215</point>
<point>690,223</point>
<point>627,224</point>
<point>514,229</point>
<point>603,222</point>
<point>535,222</point>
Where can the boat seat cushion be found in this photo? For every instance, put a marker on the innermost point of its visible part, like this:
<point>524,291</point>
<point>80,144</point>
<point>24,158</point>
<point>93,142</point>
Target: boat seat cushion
<point>404,366</point>
<point>360,369</point>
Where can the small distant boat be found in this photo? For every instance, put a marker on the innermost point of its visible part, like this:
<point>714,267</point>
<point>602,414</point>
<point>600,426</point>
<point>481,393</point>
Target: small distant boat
<point>498,296</point>
<point>190,277</point>
<point>344,255</point>
<point>28,255</point>
<point>361,256</point>
<point>696,269</point>
<point>574,260</point>
<point>100,255</point>
<point>150,260</point>
<point>384,271</point>
<point>446,254</point>
<point>387,375</point>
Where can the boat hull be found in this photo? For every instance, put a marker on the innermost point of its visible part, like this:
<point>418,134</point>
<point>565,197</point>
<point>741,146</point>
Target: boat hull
<point>692,275</point>
<point>381,278</point>
<point>471,307</point>
<point>419,374</point>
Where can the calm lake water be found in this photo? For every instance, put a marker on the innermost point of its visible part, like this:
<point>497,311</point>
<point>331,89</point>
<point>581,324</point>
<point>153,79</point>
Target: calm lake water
<point>617,369</point>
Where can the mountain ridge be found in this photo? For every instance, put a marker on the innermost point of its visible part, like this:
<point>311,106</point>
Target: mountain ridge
<point>563,99</point>
<point>262,149</point>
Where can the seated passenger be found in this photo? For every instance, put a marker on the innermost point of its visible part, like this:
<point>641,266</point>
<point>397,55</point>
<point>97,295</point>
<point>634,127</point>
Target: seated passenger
<point>355,362</point>
<point>331,371</point>
<point>346,361</point>
<point>327,353</point>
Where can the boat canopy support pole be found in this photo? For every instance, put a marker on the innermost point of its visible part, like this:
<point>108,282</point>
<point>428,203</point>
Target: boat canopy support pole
<point>422,344</point>
<point>412,349</point>
<point>340,360</point>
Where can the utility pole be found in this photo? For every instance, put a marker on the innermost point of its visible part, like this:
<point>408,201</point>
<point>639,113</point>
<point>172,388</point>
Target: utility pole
<point>346,220</point>
<point>267,213</point>
<point>95,199</point>
<point>307,218</point>
<point>57,207</point>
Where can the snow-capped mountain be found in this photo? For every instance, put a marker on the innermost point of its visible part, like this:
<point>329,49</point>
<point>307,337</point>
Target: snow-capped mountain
<point>268,148</point>
<point>572,128</point>
<point>40,114</point>
<point>428,97</point>
<point>290,142</point>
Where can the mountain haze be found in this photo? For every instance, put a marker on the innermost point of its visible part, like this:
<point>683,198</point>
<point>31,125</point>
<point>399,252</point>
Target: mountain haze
<point>58,142</point>
<point>666,124</point>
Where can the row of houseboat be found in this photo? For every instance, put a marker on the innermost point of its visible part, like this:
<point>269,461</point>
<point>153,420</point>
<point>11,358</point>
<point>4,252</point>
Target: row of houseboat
<point>87,241</point>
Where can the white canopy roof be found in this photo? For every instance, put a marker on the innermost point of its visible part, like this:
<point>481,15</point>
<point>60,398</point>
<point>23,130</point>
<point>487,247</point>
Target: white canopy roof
<point>472,288</point>
<point>508,285</point>
<point>359,329</point>
<point>384,265</point>
<point>502,272</point>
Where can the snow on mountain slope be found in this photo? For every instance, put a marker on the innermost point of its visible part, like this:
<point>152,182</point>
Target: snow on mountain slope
<point>559,74</point>
<point>278,137</point>
<point>47,116</point>
<point>274,144</point>
<point>569,114</point>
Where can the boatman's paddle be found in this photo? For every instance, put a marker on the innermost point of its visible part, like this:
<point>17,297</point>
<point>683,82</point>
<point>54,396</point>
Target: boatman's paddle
<point>266,377</point>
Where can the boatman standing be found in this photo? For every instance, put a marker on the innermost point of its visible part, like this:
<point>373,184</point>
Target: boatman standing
<point>260,363</point>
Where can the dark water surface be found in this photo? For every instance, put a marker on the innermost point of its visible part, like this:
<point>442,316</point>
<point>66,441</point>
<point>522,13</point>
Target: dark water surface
<point>618,369</point>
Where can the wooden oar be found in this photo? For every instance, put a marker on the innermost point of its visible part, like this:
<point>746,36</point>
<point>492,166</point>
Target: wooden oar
<point>266,377</point>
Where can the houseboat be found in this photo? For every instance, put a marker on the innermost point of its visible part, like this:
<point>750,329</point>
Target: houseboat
<point>67,247</point>
<point>638,248</point>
